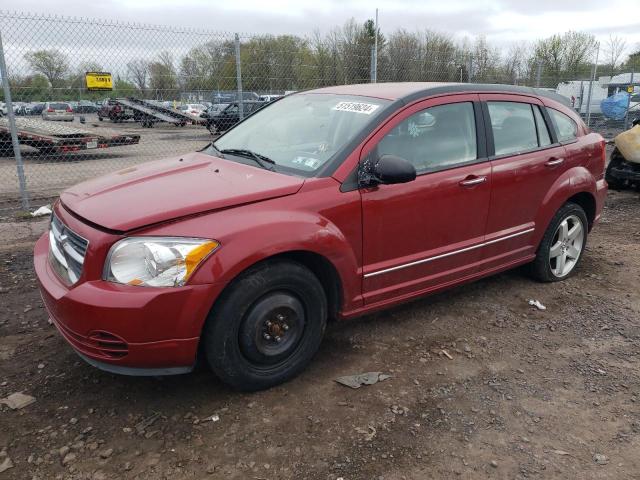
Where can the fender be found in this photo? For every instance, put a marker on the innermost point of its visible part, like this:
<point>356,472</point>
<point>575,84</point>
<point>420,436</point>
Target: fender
<point>251,233</point>
<point>574,180</point>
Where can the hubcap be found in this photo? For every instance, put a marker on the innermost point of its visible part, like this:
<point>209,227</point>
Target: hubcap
<point>566,246</point>
<point>272,328</point>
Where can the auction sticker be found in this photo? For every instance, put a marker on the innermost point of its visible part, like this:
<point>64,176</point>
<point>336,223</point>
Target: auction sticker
<point>357,107</point>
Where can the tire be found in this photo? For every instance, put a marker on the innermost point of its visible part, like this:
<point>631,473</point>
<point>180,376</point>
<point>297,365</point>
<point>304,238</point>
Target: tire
<point>546,266</point>
<point>273,300</point>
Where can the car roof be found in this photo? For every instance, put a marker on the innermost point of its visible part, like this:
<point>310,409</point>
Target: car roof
<point>409,91</point>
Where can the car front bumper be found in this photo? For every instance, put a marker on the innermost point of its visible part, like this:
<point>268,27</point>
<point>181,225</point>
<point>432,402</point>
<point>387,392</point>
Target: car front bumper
<point>125,329</point>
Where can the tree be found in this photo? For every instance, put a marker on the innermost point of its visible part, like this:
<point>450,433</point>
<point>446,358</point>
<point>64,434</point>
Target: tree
<point>138,71</point>
<point>566,56</point>
<point>163,80</point>
<point>517,64</point>
<point>52,64</point>
<point>633,61</point>
<point>123,88</point>
<point>210,66</point>
<point>486,59</point>
<point>614,49</point>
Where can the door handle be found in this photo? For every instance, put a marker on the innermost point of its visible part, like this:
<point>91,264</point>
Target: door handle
<point>552,162</point>
<point>470,182</point>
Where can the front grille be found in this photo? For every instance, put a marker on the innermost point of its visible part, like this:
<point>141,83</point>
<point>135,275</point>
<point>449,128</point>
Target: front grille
<point>67,250</point>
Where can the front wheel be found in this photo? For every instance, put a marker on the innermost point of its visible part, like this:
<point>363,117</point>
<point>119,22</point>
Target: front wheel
<point>266,326</point>
<point>562,245</point>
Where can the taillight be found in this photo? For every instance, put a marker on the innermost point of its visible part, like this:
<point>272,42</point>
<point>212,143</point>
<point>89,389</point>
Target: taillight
<point>50,110</point>
<point>69,110</point>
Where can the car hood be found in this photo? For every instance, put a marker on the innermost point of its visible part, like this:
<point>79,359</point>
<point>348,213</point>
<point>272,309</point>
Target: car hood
<point>175,187</point>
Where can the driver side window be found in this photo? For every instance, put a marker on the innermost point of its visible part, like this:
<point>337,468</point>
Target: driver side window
<point>434,139</point>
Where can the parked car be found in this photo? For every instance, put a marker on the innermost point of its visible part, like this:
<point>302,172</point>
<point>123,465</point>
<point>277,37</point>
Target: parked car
<point>3,108</point>
<point>60,111</point>
<point>227,118</point>
<point>269,98</point>
<point>327,204</point>
<point>196,109</point>
<point>115,112</point>
<point>35,108</point>
<point>30,109</point>
<point>85,106</point>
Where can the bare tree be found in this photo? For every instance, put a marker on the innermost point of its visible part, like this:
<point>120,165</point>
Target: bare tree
<point>614,49</point>
<point>515,65</point>
<point>486,59</point>
<point>138,72</point>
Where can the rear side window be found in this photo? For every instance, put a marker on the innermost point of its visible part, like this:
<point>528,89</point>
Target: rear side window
<point>513,126</point>
<point>543,131</point>
<point>566,128</point>
<point>434,139</point>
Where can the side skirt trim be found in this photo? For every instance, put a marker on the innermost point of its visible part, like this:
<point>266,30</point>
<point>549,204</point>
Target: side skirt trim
<point>448,254</point>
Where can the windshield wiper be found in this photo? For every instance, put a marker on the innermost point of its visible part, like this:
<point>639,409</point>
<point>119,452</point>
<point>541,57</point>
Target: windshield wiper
<point>259,159</point>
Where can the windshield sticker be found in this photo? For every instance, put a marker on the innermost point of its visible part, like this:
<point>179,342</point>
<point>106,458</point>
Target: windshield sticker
<point>357,107</point>
<point>312,163</point>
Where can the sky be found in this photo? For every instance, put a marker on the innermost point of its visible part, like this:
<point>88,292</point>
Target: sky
<point>501,21</point>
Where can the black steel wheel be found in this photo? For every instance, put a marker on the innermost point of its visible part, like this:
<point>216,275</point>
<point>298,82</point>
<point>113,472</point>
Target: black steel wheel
<point>266,326</point>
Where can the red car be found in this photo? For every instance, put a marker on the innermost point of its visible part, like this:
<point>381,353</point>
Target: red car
<point>327,204</point>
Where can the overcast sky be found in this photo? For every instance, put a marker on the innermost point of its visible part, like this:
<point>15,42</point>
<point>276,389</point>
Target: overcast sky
<point>502,21</point>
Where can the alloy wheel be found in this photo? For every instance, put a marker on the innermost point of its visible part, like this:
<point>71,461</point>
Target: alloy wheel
<point>567,245</point>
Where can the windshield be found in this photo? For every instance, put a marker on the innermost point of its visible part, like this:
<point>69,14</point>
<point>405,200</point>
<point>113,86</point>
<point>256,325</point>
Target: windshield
<point>301,133</point>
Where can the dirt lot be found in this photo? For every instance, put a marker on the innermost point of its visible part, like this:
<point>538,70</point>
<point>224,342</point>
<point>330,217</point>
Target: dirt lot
<point>525,394</point>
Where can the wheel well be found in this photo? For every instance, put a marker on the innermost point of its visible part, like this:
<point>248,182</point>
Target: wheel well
<point>588,204</point>
<point>326,273</point>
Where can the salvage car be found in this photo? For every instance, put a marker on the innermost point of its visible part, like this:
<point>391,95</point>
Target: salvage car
<point>220,121</point>
<point>59,111</point>
<point>115,112</point>
<point>326,204</point>
<point>623,170</point>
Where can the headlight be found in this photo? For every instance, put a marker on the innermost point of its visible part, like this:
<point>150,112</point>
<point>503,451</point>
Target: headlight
<point>156,261</point>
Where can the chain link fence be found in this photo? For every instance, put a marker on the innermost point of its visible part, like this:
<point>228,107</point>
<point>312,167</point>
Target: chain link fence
<point>174,89</point>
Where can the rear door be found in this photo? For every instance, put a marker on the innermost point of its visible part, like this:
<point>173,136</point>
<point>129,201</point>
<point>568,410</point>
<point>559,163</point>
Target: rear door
<point>427,233</point>
<point>526,159</point>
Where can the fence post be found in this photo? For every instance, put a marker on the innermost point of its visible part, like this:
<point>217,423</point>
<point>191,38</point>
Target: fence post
<point>24,195</point>
<point>594,70</point>
<point>626,115</point>
<point>239,79</point>
<point>538,73</point>
<point>470,68</point>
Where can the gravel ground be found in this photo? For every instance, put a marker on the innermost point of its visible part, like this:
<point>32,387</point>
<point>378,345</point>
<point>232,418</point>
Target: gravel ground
<point>483,386</point>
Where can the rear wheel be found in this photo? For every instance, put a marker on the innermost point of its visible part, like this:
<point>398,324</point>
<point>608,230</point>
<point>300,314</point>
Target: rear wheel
<point>267,326</point>
<point>562,245</point>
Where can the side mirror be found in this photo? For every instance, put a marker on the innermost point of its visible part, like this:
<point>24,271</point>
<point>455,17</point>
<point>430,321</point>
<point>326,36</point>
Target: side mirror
<point>392,169</point>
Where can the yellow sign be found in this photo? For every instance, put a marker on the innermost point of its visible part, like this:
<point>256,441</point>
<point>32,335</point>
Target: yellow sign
<point>629,88</point>
<point>99,81</point>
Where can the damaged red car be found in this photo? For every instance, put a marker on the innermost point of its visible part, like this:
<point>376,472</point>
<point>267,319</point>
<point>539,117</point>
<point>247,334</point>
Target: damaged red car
<point>326,204</point>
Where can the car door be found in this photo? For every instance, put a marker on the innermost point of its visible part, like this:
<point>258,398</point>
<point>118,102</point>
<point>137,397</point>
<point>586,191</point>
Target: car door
<point>423,234</point>
<point>526,159</point>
